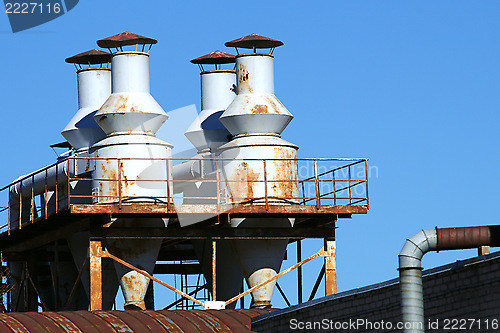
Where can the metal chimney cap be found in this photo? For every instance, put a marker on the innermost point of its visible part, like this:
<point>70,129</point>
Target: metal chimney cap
<point>216,57</point>
<point>90,57</point>
<point>254,41</point>
<point>125,38</point>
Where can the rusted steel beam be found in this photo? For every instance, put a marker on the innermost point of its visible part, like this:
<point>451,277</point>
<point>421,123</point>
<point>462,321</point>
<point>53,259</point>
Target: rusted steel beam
<point>216,233</point>
<point>330,255</point>
<point>148,208</point>
<point>95,275</point>
<point>46,231</point>
<point>214,270</point>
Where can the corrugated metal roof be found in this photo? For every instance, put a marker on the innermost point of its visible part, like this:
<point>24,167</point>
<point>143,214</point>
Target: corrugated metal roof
<point>177,321</point>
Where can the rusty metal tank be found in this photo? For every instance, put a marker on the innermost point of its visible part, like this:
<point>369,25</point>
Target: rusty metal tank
<point>256,119</point>
<point>131,163</point>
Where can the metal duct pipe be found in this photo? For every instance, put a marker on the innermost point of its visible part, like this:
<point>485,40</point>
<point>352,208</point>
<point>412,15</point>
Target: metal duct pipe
<point>410,267</point>
<point>36,181</point>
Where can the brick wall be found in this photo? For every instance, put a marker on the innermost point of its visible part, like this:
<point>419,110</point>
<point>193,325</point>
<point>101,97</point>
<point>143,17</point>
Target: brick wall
<point>465,295</point>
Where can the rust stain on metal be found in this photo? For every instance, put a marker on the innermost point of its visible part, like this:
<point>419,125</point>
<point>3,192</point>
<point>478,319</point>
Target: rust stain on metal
<point>242,182</point>
<point>467,237</point>
<point>243,77</point>
<point>286,186</point>
<point>14,324</point>
<point>274,108</point>
<point>259,109</point>
<point>117,324</point>
<point>62,321</point>
<point>177,321</point>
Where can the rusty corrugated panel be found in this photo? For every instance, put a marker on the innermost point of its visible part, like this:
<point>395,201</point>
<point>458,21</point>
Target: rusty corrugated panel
<point>254,40</point>
<point>216,57</point>
<point>90,57</point>
<point>36,322</point>
<point>177,321</point>
<point>9,322</point>
<point>87,322</point>
<point>125,38</point>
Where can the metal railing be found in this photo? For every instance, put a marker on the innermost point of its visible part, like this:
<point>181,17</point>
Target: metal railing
<point>123,181</point>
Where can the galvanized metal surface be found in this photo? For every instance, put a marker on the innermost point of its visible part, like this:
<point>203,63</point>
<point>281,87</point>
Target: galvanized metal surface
<point>254,41</point>
<point>216,57</point>
<point>91,57</point>
<point>131,321</point>
<point>94,87</point>
<point>123,39</point>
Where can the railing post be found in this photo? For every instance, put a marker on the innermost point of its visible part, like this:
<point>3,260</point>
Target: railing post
<point>167,161</point>
<point>265,186</point>
<point>334,192</point>
<point>119,185</point>
<point>69,183</point>
<point>218,184</point>
<point>316,183</point>
<point>366,182</point>
<point>350,190</point>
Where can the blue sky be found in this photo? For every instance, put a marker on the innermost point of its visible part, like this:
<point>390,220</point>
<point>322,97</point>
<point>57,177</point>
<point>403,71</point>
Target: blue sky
<point>411,85</point>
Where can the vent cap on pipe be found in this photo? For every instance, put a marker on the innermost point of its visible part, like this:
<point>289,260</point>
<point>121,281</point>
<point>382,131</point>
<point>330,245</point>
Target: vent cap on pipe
<point>91,57</point>
<point>254,41</point>
<point>123,39</point>
<point>216,57</point>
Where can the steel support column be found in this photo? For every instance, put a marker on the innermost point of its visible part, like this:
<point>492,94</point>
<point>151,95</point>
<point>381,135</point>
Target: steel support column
<point>330,268</point>
<point>95,275</point>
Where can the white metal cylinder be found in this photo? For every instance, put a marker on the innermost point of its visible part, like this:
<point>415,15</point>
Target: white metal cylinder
<point>130,72</point>
<point>94,87</point>
<point>130,109</point>
<point>255,73</point>
<point>247,176</point>
<point>217,90</point>
<point>255,110</point>
<point>133,168</point>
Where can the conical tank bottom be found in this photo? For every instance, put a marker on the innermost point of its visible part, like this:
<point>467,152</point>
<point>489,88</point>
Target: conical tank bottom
<point>139,253</point>
<point>79,246</point>
<point>261,259</point>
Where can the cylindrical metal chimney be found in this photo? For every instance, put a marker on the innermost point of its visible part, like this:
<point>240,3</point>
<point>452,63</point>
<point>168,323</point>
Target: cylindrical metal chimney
<point>94,87</point>
<point>130,117</point>
<point>256,119</point>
